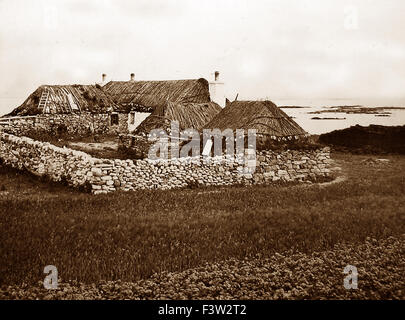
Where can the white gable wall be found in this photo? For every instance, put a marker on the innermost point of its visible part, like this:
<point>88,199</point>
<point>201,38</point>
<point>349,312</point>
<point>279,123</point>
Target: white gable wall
<point>135,121</point>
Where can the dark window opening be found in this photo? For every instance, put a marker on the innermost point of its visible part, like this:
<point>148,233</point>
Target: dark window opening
<point>114,119</point>
<point>132,118</point>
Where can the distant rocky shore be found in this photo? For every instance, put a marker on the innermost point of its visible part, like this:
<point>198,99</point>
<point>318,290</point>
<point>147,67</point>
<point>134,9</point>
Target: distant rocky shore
<point>357,110</point>
<point>371,139</point>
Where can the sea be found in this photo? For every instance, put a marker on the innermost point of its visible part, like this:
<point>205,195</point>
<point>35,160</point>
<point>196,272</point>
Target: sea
<point>303,115</point>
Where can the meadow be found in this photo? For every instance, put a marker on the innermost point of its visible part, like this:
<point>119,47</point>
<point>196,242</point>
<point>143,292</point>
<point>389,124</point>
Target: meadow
<point>142,237</point>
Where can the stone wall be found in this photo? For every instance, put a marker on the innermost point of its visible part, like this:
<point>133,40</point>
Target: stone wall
<point>76,124</point>
<point>107,175</point>
<point>42,158</point>
<point>135,145</point>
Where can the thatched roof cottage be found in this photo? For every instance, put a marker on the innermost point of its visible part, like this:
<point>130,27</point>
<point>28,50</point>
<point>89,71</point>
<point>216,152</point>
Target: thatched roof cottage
<point>124,104</point>
<point>79,109</point>
<point>148,95</point>
<point>53,99</point>
<point>141,98</point>
<point>188,115</point>
<point>264,116</point>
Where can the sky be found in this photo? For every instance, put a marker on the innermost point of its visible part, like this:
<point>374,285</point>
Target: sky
<point>274,49</point>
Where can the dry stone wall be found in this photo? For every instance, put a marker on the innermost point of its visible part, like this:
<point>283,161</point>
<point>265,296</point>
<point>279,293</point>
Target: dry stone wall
<point>79,124</point>
<point>45,159</point>
<point>107,175</point>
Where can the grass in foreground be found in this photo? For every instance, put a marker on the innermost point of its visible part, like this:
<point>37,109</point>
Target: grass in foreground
<point>131,236</point>
<point>283,276</point>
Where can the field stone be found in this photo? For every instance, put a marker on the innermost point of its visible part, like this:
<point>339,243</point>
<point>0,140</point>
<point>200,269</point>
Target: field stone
<point>44,158</point>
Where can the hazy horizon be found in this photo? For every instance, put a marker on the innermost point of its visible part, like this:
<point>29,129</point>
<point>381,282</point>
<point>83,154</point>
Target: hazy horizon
<point>283,50</point>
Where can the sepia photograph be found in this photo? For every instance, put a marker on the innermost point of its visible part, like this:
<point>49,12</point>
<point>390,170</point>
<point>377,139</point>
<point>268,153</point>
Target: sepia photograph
<point>199,156</point>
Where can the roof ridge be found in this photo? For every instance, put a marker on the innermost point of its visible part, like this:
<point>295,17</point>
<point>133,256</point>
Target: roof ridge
<point>165,80</point>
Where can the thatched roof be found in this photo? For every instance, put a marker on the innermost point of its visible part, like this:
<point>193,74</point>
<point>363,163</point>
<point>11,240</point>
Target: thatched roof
<point>264,116</point>
<point>148,95</point>
<point>189,115</point>
<point>65,99</point>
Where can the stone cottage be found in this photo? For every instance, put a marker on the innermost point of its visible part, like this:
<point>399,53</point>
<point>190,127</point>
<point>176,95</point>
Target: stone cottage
<point>140,98</point>
<point>111,107</point>
<point>79,109</point>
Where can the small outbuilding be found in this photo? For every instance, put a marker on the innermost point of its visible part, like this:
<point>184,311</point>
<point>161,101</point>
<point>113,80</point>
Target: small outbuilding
<point>188,115</point>
<point>264,116</point>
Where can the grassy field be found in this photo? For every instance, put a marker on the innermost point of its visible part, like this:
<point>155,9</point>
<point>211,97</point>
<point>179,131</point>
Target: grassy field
<point>133,236</point>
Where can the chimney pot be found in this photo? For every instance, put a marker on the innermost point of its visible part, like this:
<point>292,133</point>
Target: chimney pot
<point>103,76</point>
<point>132,76</point>
<point>216,74</point>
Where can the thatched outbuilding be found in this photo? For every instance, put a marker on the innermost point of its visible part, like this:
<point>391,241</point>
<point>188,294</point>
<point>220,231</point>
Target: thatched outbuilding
<point>188,115</point>
<point>264,116</point>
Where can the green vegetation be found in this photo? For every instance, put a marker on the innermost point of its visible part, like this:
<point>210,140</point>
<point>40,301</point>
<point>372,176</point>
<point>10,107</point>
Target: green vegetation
<point>133,236</point>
